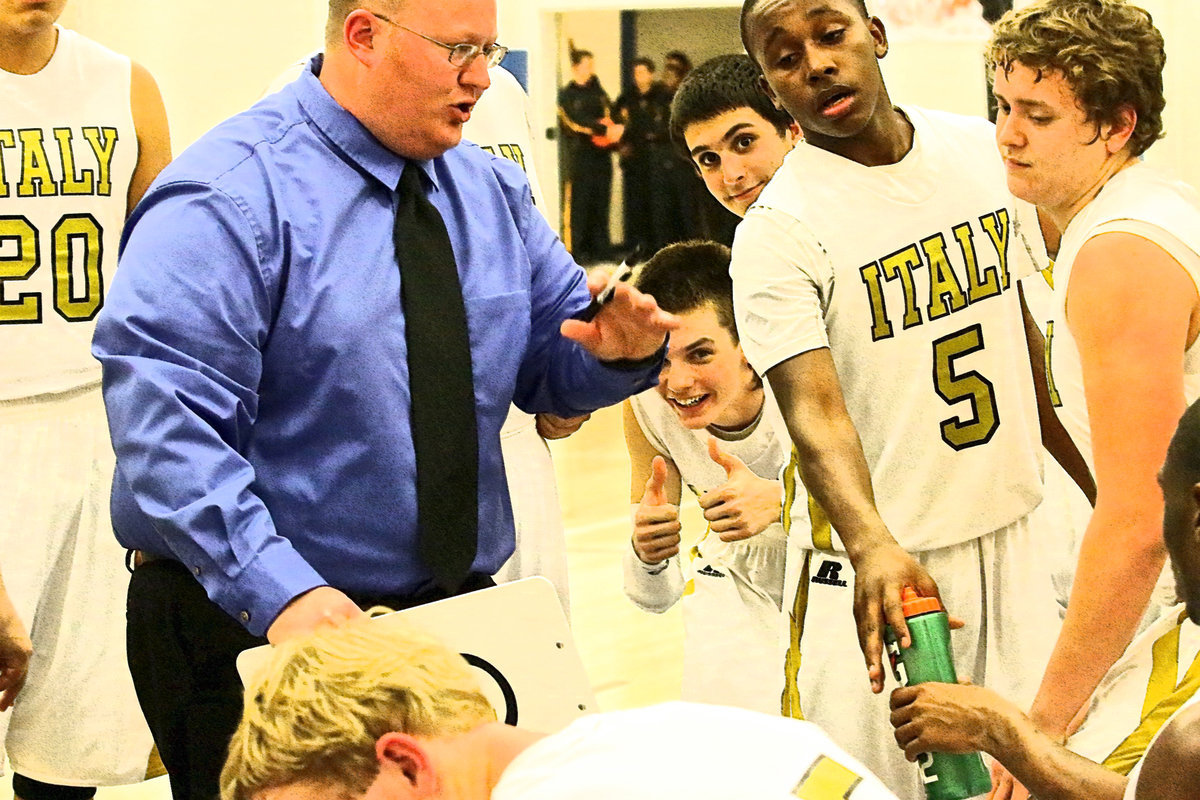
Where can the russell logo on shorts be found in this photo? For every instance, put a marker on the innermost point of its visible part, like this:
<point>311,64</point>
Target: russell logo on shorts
<point>827,574</point>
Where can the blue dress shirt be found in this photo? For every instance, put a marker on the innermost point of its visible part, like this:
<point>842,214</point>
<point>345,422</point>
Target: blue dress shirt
<point>255,370</point>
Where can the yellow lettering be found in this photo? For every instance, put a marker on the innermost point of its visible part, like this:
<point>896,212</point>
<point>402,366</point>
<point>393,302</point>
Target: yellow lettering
<point>996,226</point>
<point>104,144</point>
<point>17,267</point>
<point>943,283</point>
<point>7,139</point>
<point>881,327</point>
<point>980,284</point>
<point>513,153</point>
<point>36,179</point>
<point>77,233</point>
<point>73,182</point>
<point>901,265</point>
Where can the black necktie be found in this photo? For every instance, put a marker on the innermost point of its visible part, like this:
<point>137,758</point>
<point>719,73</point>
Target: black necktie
<point>444,436</point>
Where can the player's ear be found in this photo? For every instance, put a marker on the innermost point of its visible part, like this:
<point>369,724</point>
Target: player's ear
<point>879,34</point>
<point>766,87</point>
<point>405,769</point>
<point>1116,134</point>
<point>360,34</point>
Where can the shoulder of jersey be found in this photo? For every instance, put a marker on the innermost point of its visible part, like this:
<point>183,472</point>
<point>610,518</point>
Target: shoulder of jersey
<point>77,40</point>
<point>805,172</point>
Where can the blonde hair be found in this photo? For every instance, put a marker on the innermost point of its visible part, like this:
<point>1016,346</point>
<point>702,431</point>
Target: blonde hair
<point>1108,50</point>
<point>317,710</point>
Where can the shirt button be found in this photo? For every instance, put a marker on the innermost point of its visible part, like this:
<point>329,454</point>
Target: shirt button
<point>195,570</point>
<point>245,616</point>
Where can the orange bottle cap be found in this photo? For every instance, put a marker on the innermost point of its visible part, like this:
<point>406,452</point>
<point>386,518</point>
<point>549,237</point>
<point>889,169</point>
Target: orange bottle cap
<point>914,604</point>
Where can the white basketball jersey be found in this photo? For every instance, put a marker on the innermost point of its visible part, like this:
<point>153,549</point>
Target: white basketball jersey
<point>66,157</point>
<point>907,272</point>
<point>1139,200</point>
<point>1157,675</point>
<point>681,751</point>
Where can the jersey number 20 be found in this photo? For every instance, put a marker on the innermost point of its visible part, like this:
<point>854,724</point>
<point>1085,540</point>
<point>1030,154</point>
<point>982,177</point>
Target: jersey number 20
<point>78,294</point>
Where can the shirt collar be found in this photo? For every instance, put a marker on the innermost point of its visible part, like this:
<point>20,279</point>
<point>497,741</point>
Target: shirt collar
<point>348,134</point>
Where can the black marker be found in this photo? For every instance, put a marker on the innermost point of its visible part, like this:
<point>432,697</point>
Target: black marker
<point>619,275</point>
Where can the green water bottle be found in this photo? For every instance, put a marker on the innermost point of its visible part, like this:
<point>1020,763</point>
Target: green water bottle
<point>947,776</point>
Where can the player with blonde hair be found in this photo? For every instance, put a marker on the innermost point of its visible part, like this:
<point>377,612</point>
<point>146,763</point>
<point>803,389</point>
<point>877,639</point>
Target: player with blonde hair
<point>381,710</point>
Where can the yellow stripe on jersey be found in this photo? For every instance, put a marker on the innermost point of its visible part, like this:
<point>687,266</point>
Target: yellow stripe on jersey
<point>827,780</point>
<point>789,705</point>
<point>789,490</point>
<point>690,586</point>
<point>821,531</point>
<point>1163,698</point>
<point>1048,273</point>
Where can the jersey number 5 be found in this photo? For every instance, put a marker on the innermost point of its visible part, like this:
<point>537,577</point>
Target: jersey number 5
<point>78,293</point>
<point>984,420</point>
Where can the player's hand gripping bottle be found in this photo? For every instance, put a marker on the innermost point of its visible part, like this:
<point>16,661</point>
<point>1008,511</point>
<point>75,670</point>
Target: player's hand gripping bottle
<point>947,776</point>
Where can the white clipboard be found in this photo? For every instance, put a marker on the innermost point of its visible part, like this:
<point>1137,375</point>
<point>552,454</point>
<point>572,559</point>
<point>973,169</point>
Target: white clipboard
<point>516,637</point>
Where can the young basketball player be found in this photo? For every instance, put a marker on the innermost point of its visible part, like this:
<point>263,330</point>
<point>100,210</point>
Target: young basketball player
<point>874,288</point>
<point>709,426</point>
<point>730,130</point>
<point>368,711</point>
<point>83,132</point>
<point>1081,96</point>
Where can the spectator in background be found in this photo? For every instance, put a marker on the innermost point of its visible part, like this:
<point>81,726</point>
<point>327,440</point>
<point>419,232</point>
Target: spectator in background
<point>683,194</point>
<point>644,109</point>
<point>588,134</point>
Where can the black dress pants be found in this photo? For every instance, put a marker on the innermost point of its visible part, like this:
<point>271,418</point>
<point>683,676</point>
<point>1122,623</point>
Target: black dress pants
<point>591,199</point>
<point>182,651</point>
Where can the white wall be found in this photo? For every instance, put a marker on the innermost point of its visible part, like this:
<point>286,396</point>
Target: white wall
<point>212,58</point>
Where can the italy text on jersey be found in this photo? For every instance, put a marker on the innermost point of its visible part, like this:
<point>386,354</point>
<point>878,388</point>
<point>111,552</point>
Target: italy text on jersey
<point>512,152</point>
<point>946,295</point>
<point>73,244</point>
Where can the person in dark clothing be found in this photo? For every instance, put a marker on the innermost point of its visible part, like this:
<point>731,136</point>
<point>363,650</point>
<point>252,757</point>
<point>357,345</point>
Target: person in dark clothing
<point>583,112</point>
<point>645,109</point>
<point>693,215</point>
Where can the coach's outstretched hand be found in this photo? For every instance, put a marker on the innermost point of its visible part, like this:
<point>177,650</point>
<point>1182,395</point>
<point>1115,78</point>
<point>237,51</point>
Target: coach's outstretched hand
<point>880,574</point>
<point>630,327</point>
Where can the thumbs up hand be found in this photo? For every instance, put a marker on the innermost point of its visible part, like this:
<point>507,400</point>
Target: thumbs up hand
<point>656,521</point>
<point>745,504</point>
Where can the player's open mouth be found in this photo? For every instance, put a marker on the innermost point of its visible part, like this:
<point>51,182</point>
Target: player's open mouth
<point>837,102</point>
<point>690,402</point>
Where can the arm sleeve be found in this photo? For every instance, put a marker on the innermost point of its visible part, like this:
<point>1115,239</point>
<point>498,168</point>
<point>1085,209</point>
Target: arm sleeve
<point>180,343</point>
<point>782,280</point>
<point>652,587</point>
<point>556,374</point>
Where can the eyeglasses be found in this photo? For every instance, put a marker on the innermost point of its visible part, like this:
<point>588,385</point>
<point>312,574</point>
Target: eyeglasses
<point>461,55</point>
